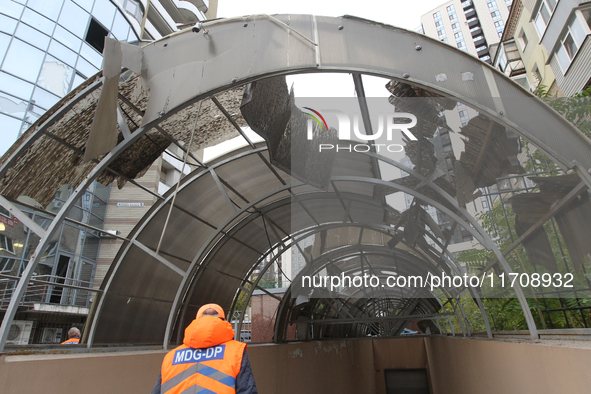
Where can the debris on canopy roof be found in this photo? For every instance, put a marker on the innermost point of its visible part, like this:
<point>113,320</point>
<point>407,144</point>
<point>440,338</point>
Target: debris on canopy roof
<point>54,157</point>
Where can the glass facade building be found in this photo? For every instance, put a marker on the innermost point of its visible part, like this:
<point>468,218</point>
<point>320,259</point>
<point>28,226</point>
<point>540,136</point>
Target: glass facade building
<point>47,48</point>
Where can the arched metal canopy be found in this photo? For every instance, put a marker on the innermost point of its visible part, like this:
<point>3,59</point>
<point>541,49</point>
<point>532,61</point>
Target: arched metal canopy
<point>221,210</point>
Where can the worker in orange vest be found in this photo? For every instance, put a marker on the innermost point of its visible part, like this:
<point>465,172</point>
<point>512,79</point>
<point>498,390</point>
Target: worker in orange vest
<point>208,361</point>
<point>73,337</point>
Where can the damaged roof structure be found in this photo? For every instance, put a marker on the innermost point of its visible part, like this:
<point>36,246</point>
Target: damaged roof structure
<point>202,241</point>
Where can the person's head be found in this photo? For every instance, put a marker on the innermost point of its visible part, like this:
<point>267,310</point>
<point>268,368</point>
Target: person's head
<point>211,310</point>
<point>73,333</point>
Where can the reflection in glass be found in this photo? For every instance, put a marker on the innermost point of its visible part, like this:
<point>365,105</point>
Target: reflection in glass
<point>74,18</point>
<point>38,22</point>
<point>12,106</point>
<point>91,55</point>
<point>62,53</point>
<point>12,9</point>
<point>23,60</point>
<point>4,41</point>
<point>50,9</point>
<point>15,86</point>
<point>55,76</point>
<point>85,68</point>
<point>77,81</point>
<point>32,36</point>
<point>86,4</point>
<point>7,24</point>
<point>44,99</point>
<point>67,38</point>
<point>120,27</point>
<point>104,12</point>
<point>10,128</point>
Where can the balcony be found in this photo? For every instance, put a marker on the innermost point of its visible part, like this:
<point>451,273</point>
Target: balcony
<point>471,12</point>
<point>476,31</point>
<point>466,4</point>
<point>48,290</point>
<point>515,68</point>
<point>473,22</point>
<point>479,41</point>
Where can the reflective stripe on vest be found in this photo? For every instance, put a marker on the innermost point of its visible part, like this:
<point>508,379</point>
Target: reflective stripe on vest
<point>187,370</point>
<point>203,370</point>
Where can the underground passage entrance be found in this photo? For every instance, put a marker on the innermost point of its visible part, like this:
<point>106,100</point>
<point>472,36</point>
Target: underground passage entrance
<point>435,199</point>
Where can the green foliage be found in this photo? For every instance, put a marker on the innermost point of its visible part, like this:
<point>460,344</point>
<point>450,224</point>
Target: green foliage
<point>506,313</point>
<point>576,108</point>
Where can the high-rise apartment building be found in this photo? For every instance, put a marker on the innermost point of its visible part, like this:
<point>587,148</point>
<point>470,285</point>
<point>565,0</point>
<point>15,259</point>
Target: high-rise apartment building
<point>472,26</point>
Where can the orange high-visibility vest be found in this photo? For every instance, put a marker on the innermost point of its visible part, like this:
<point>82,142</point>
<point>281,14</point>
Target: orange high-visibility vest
<point>71,341</point>
<point>207,370</point>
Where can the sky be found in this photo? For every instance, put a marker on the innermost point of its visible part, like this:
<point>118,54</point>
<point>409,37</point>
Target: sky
<point>400,13</point>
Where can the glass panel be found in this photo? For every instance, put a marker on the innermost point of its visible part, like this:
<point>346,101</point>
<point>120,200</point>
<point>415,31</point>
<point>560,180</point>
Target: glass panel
<point>70,238</point>
<point>77,81</point>
<point>7,24</point>
<point>132,36</point>
<point>32,36</point>
<point>9,132</point>
<point>85,68</point>
<point>62,53</point>
<point>104,12</point>
<point>552,4</point>
<point>74,18</point>
<point>11,8</point>
<point>44,99</point>
<point>570,45</point>
<point>587,16</point>
<point>120,27</point>
<point>4,41</point>
<point>577,31</point>
<point>16,87</point>
<point>563,58</point>
<point>23,60</point>
<point>99,207</point>
<point>86,4</point>
<point>90,54</point>
<point>67,38</point>
<point>545,13</point>
<point>55,76</point>
<point>38,22</point>
<point>51,9</point>
<point>102,191</point>
<point>12,105</point>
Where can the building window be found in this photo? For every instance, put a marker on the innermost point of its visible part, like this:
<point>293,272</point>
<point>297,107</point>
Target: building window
<point>451,11</point>
<point>495,15</point>
<point>455,26</point>
<point>95,35</point>
<point>464,117</point>
<point>6,244</point>
<point>522,39</point>
<point>500,25</point>
<point>537,75</point>
<point>570,42</point>
<point>543,15</point>
<point>6,264</point>
<point>4,212</point>
<point>492,5</point>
